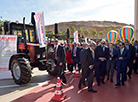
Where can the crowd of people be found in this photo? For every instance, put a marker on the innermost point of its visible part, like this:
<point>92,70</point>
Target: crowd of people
<point>97,59</point>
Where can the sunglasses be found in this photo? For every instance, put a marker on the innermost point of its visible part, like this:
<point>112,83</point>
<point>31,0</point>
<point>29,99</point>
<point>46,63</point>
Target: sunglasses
<point>120,45</point>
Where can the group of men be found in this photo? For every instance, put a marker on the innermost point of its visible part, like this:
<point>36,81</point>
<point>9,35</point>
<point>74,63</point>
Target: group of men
<point>101,59</point>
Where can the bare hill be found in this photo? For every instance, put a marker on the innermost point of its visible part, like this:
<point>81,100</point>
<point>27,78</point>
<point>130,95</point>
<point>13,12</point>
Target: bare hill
<point>99,26</point>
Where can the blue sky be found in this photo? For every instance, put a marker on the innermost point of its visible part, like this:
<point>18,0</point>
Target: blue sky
<point>56,11</point>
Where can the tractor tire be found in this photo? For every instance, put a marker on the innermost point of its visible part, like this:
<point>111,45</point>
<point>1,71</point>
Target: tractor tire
<point>51,69</point>
<point>21,70</point>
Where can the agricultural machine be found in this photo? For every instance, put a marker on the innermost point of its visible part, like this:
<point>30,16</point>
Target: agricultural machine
<point>29,55</point>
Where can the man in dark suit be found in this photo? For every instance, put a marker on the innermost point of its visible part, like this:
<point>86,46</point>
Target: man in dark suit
<point>75,55</point>
<point>122,56</point>
<point>59,59</point>
<point>111,63</point>
<point>136,53</point>
<point>87,67</point>
<point>132,59</point>
<point>101,56</point>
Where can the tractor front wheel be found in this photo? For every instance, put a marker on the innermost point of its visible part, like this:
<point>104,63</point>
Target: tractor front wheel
<point>21,70</point>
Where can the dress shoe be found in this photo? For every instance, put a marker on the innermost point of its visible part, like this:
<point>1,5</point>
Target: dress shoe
<point>64,81</point>
<point>94,91</point>
<point>136,72</point>
<point>117,84</point>
<point>79,86</point>
<point>129,76</point>
<point>103,82</point>
<point>107,78</point>
<point>84,84</point>
<point>123,84</point>
<point>111,80</point>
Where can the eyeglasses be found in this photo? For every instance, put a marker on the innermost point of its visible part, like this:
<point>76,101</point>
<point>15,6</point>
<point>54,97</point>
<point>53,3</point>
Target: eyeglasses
<point>120,45</point>
<point>102,43</point>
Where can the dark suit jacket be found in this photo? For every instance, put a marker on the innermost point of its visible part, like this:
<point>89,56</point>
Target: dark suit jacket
<point>125,55</point>
<point>60,54</point>
<point>90,57</point>
<point>100,53</point>
<point>84,58</point>
<point>132,53</point>
<point>77,58</point>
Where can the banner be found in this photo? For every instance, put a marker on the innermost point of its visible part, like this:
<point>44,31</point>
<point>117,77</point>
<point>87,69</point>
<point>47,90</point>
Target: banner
<point>40,27</point>
<point>8,47</point>
<point>85,39</point>
<point>76,36</point>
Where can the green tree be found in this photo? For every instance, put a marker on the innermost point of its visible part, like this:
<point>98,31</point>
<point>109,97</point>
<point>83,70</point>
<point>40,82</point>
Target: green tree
<point>59,32</point>
<point>94,33</point>
<point>101,33</point>
<point>64,31</point>
<point>1,30</point>
<point>86,32</point>
<point>80,30</point>
<point>117,30</point>
<point>72,29</point>
<point>108,29</point>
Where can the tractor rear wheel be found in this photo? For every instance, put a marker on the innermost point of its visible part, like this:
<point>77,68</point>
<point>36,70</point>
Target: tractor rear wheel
<point>52,70</point>
<point>21,70</point>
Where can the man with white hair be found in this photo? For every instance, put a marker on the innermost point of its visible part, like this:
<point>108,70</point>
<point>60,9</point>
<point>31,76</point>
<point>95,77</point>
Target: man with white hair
<point>101,56</point>
<point>87,68</point>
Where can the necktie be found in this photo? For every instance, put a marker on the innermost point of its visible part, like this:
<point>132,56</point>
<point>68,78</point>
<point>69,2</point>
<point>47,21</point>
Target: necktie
<point>121,51</point>
<point>103,49</point>
<point>56,53</point>
<point>74,54</point>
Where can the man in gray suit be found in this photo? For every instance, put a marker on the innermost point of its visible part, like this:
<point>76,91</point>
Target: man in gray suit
<point>111,63</point>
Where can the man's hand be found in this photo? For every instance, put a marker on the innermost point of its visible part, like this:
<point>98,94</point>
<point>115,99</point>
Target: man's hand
<point>60,63</point>
<point>54,64</point>
<point>102,58</point>
<point>134,61</point>
<point>136,54</point>
<point>111,54</point>
<point>91,66</point>
<point>120,58</point>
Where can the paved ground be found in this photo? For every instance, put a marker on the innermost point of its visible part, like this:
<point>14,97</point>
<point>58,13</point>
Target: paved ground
<point>10,91</point>
<point>106,92</point>
<point>41,89</point>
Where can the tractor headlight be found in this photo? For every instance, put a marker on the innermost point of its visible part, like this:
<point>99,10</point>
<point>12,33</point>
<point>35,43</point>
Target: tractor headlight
<point>38,55</point>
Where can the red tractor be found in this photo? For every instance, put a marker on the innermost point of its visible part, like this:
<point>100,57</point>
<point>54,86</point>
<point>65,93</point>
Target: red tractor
<point>29,54</point>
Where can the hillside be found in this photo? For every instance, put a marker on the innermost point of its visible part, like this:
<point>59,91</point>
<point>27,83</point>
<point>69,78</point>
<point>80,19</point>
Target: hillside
<point>99,26</point>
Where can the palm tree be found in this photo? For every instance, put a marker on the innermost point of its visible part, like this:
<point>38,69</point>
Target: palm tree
<point>72,29</point>
<point>101,33</point>
<point>64,31</point>
<point>86,32</point>
<point>108,29</point>
<point>94,33</point>
<point>80,30</point>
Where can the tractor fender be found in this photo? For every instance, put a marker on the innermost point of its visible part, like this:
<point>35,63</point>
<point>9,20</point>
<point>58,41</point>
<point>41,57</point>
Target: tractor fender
<point>16,56</point>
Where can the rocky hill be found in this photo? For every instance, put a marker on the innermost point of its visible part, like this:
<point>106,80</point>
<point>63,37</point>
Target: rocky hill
<point>98,26</point>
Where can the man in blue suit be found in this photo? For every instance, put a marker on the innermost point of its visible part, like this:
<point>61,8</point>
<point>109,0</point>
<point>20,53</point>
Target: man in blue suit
<point>122,55</point>
<point>75,55</point>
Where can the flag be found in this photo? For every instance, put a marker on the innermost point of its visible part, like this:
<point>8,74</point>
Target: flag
<point>76,36</point>
<point>40,27</point>
<point>85,39</point>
